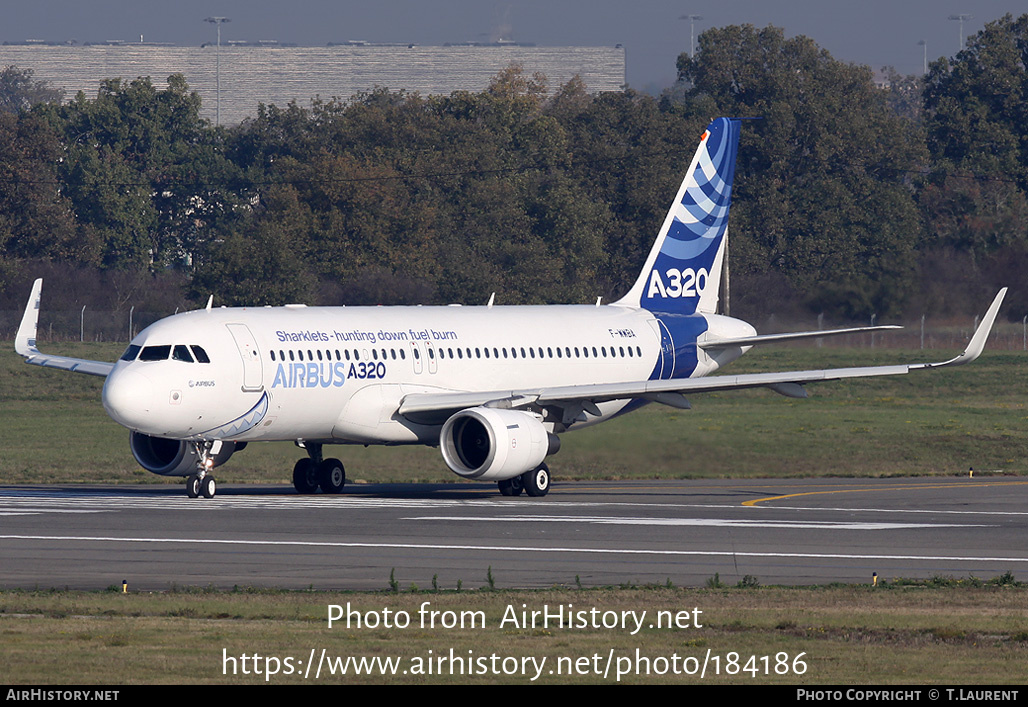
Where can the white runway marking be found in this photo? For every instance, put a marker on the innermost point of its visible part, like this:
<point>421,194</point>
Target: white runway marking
<point>705,522</point>
<point>180,542</point>
<point>29,511</point>
<point>49,501</point>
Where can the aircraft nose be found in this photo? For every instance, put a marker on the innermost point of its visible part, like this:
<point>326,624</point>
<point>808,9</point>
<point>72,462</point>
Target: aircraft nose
<point>129,399</point>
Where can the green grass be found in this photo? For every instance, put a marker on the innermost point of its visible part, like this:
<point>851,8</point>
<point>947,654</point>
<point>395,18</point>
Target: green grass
<point>943,632</point>
<point>925,423</point>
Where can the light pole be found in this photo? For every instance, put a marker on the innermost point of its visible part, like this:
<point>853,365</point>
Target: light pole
<point>924,43</point>
<point>961,19</point>
<point>218,22</point>
<point>693,19</point>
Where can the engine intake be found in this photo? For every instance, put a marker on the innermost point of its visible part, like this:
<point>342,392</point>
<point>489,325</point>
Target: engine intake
<point>173,457</point>
<point>488,444</point>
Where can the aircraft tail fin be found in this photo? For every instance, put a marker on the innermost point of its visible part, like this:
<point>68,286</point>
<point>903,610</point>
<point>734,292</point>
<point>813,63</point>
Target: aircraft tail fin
<point>682,274</point>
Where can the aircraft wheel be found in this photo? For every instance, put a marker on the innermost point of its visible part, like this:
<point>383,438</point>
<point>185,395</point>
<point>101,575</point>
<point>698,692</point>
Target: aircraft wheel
<point>331,476</point>
<point>305,476</point>
<point>537,481</point>
<point>208,487</point>
<point>193,486</point>
<point>511,487</point>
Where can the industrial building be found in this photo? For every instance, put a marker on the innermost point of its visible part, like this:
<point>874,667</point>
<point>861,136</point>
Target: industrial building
<point>270,73</point>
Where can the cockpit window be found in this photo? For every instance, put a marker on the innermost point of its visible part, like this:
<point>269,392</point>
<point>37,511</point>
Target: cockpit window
<point>201,355</point>
<point>181,353</point>
<point>155,353</point>
<point>130,353</point>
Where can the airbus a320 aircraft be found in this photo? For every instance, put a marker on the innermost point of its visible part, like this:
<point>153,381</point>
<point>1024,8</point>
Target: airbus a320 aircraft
<point>493,387</point>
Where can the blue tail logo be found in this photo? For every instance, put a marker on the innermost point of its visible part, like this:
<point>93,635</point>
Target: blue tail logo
<point>682,274</point>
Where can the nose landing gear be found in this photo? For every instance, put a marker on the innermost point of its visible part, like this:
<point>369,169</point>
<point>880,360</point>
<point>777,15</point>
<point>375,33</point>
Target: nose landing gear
<point>202,483</point>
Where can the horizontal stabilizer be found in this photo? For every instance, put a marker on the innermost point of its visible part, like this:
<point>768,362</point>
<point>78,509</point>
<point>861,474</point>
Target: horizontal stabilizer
<point>789,336</point>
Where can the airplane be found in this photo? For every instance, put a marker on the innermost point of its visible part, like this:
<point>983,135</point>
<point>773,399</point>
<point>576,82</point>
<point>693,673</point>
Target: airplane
<point>493,387</point>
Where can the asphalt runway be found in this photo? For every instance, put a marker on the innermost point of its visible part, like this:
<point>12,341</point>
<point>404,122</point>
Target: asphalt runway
<point>807,531</point>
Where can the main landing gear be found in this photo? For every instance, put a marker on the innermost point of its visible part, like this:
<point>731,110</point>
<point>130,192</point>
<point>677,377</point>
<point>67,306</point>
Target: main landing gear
<point>202,483</point>
<point>314,472</point>
<point>535,483</point>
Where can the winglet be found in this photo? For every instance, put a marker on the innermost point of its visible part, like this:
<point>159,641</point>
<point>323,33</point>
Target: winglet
<point>977,344</point>
<point>25,340</point>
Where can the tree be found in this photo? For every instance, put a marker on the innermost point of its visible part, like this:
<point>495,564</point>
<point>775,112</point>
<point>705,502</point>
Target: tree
<point>975,203</point>
<point>974,103</point>
<point>36,220</point>
<point>19,92</point>
<point>144,171</point>
<point>821,190</point>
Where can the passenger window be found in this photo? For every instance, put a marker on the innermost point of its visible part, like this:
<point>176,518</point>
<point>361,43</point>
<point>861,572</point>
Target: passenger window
<point>201,355</point>
<point>130,353</point>
<point>155,353</point>
<point>181,353</point>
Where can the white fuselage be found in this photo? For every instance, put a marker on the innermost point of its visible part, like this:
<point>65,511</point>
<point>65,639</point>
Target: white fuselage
<point>338,374</point>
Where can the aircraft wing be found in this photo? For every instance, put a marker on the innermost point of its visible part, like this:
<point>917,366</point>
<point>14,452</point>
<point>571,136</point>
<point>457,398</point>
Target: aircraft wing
<point>25,343</point>
<point>580,398</point>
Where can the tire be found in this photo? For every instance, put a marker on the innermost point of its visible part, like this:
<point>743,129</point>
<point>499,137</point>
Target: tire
<point>511,487</point>
<point>193,486</point>
<point>331,476</point>
<point>208,487</point>
<point>305,476</point>
<point>537,481</point>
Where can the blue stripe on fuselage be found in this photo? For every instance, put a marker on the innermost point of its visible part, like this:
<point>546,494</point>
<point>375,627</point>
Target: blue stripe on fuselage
<point>684,330</point>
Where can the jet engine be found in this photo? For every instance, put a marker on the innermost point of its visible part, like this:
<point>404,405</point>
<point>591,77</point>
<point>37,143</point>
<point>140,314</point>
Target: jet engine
<point>488,444</point>
<point>174,457</point>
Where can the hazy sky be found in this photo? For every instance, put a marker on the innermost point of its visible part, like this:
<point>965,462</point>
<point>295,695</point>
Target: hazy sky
<point>874,32</point>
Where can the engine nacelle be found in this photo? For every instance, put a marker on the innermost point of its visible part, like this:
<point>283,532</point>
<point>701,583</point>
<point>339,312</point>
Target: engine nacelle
<point>174,457</point>
<point>488,444</point>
